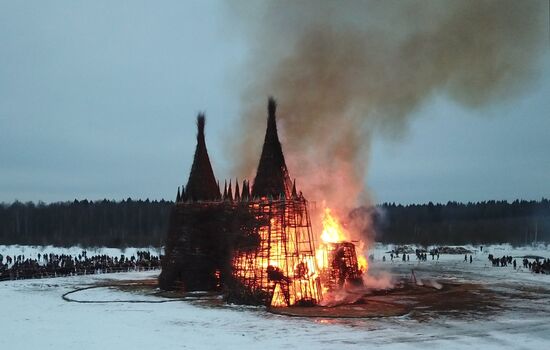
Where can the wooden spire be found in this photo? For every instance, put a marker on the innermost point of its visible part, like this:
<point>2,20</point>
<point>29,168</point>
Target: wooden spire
<point>202,183</point>
<point>272,177</point>
<point>230,192</point>
<point>237,191</point>
<point>246,191</point>
<point>183,197</point>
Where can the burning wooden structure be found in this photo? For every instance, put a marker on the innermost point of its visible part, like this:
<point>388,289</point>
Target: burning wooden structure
<point>282,269</point>
<point>257,245</point>
<point>341,266</point>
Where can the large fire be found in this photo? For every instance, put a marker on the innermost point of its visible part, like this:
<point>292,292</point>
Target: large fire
<point>284,263</point>
<point>274,258</point>
<point>337,256</point>
<point>334,232</point>
<point>295,274</point>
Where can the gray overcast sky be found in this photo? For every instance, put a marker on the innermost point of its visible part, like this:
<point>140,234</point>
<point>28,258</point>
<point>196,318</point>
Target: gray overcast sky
<point>98,99</point>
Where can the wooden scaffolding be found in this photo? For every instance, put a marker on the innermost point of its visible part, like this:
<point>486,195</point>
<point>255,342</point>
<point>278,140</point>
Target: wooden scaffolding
<point>282,268</point>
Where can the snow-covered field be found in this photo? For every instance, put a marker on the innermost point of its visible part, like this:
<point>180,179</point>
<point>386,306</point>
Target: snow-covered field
<point>34,315</point>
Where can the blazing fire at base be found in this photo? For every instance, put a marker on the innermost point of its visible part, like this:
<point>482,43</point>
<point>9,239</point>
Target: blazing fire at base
<point>337,258</point>
<point>257,244</point>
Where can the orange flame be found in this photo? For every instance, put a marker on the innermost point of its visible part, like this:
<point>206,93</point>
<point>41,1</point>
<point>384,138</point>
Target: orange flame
<point>362,262</point>
<point>334,232</point>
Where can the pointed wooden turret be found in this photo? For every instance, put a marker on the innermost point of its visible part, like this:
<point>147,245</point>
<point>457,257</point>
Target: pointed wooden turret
<point>178,196</point>
<point>272,177</point>
<point>229,192</point>
<point>183,197</point>
<point>224,197</point>
<point>237,191</point>
<point>202,183</point>
<point>245,195</point>
<point>294,194</point>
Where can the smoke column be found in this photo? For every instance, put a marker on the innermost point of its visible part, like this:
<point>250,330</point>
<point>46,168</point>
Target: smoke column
<point>343,70</point>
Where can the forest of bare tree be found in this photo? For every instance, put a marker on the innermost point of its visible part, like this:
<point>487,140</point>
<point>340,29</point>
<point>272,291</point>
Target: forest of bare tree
<point>141,223</point>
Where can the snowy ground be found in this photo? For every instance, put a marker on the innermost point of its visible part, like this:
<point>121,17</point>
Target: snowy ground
<point>34,315</point>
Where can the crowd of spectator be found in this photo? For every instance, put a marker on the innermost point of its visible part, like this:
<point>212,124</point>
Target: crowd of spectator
<point>56,265</point>
<point>401,253</point>
<point>535,265</point>
<point>538,265</point>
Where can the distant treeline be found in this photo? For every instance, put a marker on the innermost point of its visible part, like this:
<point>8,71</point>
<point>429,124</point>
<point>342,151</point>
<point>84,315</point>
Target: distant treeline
<point>141,223</point>
<point>518,223</point>
<point>128,223</point>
